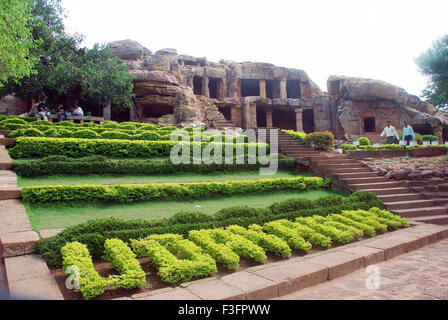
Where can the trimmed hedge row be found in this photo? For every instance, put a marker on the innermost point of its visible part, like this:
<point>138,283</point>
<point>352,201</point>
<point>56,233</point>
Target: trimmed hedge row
<point>153,192</point>
<point>8,117</point>
<point>317,140</point>
<point>180,259</point>
<point>102,165</point>
<point>95,232</point>
<point>28,147</point>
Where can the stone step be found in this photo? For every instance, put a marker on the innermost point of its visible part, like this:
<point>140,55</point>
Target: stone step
<point>342,165</point>
<point>334,161</point>
<point>346,175</point>
<point>379,185</point>
<point>420,212</point>
<point>364,180</point>
<point>437,219</point>
<point>409,204</point>
<point>8,192</point>
<point>388,191</point>
<point>399,197</point>
<point>8,142</point>
<point>351,170</point>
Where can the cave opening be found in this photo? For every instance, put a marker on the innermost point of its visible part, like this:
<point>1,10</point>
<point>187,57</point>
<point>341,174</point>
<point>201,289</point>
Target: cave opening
<point>197,85</point>
<point>213,87</point>
<point>250,88</point>
<point>273,89</point>
<point>261,118</point>
<point>308,120</point>
<point>157,110</point>
<point>284,119</point>
<point>369,124</point>
<point>293,89</point>
<point>226,112</point>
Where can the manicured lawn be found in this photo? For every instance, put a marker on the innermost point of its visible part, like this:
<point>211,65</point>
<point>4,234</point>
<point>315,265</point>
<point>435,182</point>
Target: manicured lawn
<point>61,216</point>
<point>142,179</point>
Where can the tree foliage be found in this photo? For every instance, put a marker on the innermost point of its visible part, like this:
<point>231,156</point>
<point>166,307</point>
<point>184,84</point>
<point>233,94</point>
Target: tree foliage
<point>434,64</point>
<point>16,40</point>
<point>69,74</point>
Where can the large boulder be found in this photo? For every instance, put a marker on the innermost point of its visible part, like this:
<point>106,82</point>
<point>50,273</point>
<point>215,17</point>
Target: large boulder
<point>129,50</point>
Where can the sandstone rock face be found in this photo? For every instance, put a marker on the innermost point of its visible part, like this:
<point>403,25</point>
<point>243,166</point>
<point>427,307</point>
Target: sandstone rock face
<point>356,99</point>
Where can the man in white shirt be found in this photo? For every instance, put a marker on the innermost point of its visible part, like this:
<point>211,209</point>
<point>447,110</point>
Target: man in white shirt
<point>78,111</point>
<point>390,132</point>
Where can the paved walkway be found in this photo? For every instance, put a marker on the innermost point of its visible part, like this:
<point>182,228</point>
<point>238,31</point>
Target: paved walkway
<point>421,275</point>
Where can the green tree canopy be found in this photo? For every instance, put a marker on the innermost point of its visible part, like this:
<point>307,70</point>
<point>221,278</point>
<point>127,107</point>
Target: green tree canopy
<point>67,73</point>
<point>16,41</point>
<point>434,64</point>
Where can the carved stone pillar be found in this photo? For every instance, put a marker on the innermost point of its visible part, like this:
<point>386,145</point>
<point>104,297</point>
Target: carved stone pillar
<point>205,89</point>
<point>269,118</point>
<point>283,92</point>
<point>299,120</point>
<point>107,112</point>
<point>263,88</point>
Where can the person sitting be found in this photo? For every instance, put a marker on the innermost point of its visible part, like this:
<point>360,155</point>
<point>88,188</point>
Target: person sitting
<point>390,132</point>
<point>78,111</point>
<point>408,133</point>
<point>42,110</point>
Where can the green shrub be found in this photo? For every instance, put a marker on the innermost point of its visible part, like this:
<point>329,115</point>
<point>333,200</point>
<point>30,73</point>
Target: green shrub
<point>62,133</point>
<point>368,147</point>
<point>301,136</point>
<point>111,124</point>
<point>430,137</point>
<point>12,121</point>
<point>30,132</point>
<point>363,141</point>
<point>320,140</point>
<point>90,124</point>
<point>86,134</point>
<point>27,147</point>
<point>150,192</point>
<point>148,135</point>
<point>391,147</point>
<point>66,124</point>
<point>116,135</point>
<point>346,147</point>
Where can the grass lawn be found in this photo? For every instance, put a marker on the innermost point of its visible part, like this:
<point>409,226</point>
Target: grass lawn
<point>142,179</point>
<point>53,216</point>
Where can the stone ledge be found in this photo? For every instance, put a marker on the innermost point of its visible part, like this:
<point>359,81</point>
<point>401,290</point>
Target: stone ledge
<point>280,278</point>
<point>18,243</point>
<point>29,278</point>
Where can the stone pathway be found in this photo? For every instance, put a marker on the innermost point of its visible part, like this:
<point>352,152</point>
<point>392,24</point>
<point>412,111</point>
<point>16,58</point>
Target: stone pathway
<point>420,275</point>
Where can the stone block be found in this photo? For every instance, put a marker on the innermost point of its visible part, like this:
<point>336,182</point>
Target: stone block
<point>175,294</point>
<point>214,289</point>
<point>370,255</point>
<point>338,263</point>
<point>395,245</point>
<point>18,243</point>
<point>254,286</point>
<point>295,276</point>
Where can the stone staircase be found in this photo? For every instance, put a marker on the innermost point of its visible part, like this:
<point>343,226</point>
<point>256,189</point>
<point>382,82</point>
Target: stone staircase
<point>351,175</point>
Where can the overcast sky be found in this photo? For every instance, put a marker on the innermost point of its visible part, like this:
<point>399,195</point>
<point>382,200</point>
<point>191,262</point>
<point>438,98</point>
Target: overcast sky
<point>375,39</point>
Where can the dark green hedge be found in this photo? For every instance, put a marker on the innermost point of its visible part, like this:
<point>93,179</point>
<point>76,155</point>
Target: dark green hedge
<point>148,192</point>
<point>94,232</point>
<point>103,165</point>
<point>28,147</point>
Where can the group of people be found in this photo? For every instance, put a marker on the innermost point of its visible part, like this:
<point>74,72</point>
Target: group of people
<point>390,132</point>
<point>43,110</point>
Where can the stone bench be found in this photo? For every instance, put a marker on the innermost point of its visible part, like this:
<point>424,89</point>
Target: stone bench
<point>80,119</point>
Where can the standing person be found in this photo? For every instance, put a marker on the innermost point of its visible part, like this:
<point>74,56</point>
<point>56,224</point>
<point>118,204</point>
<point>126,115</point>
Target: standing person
<point>408,133</point>
<point>78,111</point>
<point>390,132</point>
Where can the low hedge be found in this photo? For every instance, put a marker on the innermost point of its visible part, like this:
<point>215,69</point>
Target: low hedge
<point>346,147</point>
<point>95,232</point>
<point>28,147</point>
<point>27,119</point>
<point>301,136</point>
<point>320,140</point>
<point>153,192</point>
<point>103,165</point>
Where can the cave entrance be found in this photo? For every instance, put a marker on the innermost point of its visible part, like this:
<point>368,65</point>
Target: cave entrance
<point>157,110</point>
<point>197,85</point>
<point>284,119</point>
<point>272,89</point>
<point>250,88</point>
<point>308,120</point>
<point>293,89</point>
<point>369,124</point>
<point>214,85</point>
<point>422,128</point>
<point>445,134</point>
<point>226,112</point>
<point>261,118</point>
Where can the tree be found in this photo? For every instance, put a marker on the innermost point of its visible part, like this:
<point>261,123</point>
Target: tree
<point>434,64</point>
<point>69,74</point>
<point>16,41</point>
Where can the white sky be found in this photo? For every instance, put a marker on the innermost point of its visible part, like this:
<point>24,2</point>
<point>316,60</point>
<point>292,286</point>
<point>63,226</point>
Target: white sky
<point>374,39</point>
